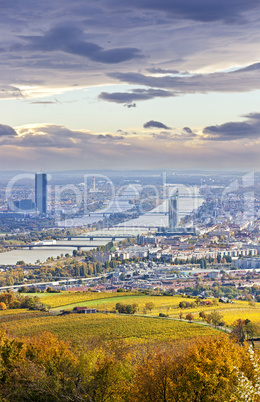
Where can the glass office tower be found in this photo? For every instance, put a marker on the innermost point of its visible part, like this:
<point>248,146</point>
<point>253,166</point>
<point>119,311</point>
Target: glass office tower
<point>41,192</point>
<point>174,211</point>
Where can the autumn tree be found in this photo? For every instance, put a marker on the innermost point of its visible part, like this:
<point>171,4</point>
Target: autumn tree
<point>189,317</point>
<point>208,370</point>
<point>239,330</point>
<point>149,306</point>
<point>202,315</point>
<point>216,318</point>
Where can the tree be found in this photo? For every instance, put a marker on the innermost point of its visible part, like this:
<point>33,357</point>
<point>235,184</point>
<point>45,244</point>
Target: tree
<point>216,318</point>
<point>23,289</point>
<point>202,315</point>
<point>250,329</point>
<point>7,298</point>
<point>20,262</point>
<point>209,370</point>
<point>10,280</point>
<point>239,331</point>
<point>189,317</point>
<point>149,306</point>
<point>182,304</point>
<point>3,306</point>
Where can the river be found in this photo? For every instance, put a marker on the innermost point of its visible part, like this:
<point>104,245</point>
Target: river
<point>189,201</point>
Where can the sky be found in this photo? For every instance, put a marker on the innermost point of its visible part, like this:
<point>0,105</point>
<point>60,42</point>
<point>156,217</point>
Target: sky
<point>114,84</point>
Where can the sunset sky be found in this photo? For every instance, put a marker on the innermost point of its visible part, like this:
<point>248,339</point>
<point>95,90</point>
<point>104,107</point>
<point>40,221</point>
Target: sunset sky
<point>134,84</point>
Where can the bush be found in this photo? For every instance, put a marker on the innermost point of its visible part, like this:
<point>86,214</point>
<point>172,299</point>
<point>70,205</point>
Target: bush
<point>126,308</point>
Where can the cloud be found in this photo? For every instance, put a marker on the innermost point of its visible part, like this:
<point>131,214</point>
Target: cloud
<point>253,116</point>
<point>165,136</point>
<point>199,10</point>
<point>155,124</point>
<point>7,131</point>
<point>8,91</point>
<point>109,137</point>
<point>46,136</point>
<point>37,43</point>
<point>249,129</point>
<point>176,136</point>
<point>52,146</point>
<point>71,39</point>
<point>44,102</point>
<point>54,137</point>
<point>162,71</point>
<point>187,130</point>
<point>240,80</point>
<point>134,95</point>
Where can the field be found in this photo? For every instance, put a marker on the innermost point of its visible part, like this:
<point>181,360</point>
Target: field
<point>126,326</point>
<point>80,327</point>
<point>109,300</point>
<point>55,300</point>
<point>162,304</point>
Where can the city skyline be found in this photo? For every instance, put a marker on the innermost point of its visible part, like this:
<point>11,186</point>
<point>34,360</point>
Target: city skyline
<point>114,85</point>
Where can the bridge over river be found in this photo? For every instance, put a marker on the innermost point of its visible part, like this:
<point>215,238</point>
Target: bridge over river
<point>57,246</point>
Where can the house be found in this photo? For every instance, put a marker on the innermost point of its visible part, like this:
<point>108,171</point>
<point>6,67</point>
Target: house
<point>224,300</point>
<point>84,310</point>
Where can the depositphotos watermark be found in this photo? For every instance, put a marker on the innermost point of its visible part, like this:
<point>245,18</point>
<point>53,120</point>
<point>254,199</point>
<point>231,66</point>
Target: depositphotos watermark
<point>97,197</point>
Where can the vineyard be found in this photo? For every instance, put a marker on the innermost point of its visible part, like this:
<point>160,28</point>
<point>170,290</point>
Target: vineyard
<point>55,300</point>
<point>79,327</point>
<point>162,304</point>
<point>167,305</point>
<point>104,302</point>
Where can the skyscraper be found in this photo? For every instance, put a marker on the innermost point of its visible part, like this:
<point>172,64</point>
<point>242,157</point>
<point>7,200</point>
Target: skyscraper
<point>41,192</point>
<point>174,211</point>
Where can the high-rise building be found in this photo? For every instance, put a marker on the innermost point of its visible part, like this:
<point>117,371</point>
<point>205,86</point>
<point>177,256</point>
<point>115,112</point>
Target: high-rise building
<point>41,192</point>
<point>174,211</point>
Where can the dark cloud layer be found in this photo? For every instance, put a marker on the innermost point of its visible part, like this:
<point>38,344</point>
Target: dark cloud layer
<point>244,79</point>
<point>7,131</point>
<point>134,95</point>
<point>156,124</point>
<point>199,10</point>
<point>248,129</point>
<point>71,39</point>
